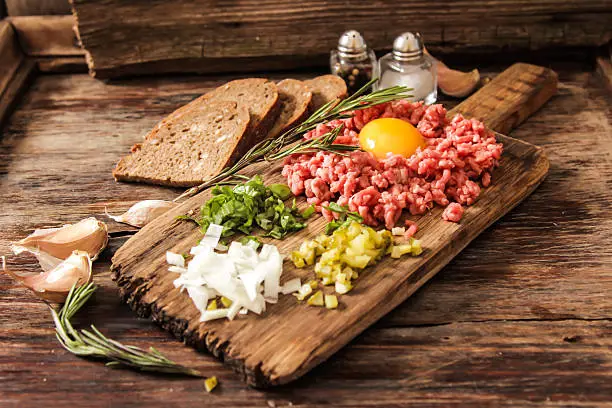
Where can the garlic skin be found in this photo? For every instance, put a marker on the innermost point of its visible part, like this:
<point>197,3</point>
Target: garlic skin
<point>52,245</point>
<point>143,212</point>
<point>54,284</point>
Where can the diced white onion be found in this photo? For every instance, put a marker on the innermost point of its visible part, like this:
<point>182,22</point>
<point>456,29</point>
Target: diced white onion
<point>175,259</point>
<point>252,244</point>
<point>247,278</point>
<point>177,269</point>
<point>222,248</point>
<point>291,286</point>
<point>398,230</point>
<point>209,315</point>
<point>212,236</point>
<point>233,310</point>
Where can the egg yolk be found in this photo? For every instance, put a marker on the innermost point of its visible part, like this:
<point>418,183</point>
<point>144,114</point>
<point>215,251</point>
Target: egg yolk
<point>390,135</point>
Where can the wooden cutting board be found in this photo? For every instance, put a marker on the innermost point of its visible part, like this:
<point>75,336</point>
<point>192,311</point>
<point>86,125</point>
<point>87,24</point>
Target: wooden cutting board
<point>292,338</point>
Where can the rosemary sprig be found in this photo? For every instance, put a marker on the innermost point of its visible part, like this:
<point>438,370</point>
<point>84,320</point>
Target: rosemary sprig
<point>94,344</point>
<point>325,142</point>
<point>269,148</point>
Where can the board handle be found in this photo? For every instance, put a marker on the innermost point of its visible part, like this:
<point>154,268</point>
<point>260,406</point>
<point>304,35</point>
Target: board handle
<point>511,97</point>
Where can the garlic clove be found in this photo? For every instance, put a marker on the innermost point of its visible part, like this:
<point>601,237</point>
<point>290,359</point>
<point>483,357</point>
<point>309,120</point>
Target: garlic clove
<point>54,285</point>
<point>455,83</point>
<point>143,212</point>
<point>52,245</point>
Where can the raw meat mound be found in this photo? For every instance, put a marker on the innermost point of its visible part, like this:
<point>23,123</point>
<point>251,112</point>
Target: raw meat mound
<point>460,153</point>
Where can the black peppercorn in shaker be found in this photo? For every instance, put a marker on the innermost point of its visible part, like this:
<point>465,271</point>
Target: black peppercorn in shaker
<point>353,61</point>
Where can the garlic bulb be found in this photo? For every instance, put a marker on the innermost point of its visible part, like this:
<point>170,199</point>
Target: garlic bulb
<point>52,245</point>
<point>143,212</point>
<point>54,284</point>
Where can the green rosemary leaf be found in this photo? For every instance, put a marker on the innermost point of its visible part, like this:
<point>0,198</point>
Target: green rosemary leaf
<point>94,344</point>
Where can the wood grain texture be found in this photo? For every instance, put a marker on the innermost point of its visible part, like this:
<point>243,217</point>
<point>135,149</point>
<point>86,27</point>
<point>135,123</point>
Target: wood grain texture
<point>61,64</point>
<point>15,70</point>
<point>37,7</point>
<point>516,319</point>
<point>42,36</point>
<point>10,54</point>
<point>511,97</point>
<point>604,69</point>
<point>135,32</point>
<point>293,338</point>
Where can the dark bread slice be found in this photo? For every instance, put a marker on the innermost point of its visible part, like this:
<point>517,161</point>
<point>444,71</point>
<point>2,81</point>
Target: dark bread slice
<point>294,100</point>
<point>192,147</point>
<point>260,95</point>
<point>326,88</point>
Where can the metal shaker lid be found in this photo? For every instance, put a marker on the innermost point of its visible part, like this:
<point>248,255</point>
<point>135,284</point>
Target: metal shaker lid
<point>352,43</point>
<point>408,46</point>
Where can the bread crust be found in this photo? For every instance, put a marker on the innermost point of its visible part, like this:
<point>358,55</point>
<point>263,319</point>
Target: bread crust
<point>295,99</point>
<point>262,107</point>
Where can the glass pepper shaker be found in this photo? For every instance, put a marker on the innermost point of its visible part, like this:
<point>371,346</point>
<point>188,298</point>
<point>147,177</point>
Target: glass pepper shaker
<point>409,66</point>
<point>353,61</point>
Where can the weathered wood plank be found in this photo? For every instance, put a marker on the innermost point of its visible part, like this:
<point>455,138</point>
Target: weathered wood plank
<point>550,258</point>
<point>511,97</point>
<point>36,7</point>
<point>61,64</point>
<point>604,69</point>
<point>10,54</point>
<point>42,36</point>
<point>189,34</point>
<point>527,364</point>
<point>15,70</point>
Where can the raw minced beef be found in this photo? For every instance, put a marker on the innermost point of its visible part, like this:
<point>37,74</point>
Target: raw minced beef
<point>460,153</point>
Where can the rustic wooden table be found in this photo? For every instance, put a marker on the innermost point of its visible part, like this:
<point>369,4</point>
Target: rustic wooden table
<point>523,316</point>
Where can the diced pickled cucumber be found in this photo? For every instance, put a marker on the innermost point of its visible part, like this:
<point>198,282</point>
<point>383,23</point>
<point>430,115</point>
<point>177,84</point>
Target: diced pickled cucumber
<point>416,247</point>
<point>331,256</point>
<point>342,288</point>
<point>359,261</point>
<point>297,259</point>
<point>331,301</point>
<point>398,250</point>
<point>304,291</point>
<point>338,257</point>
<point>210,383</point>
<point>327,280</point>
<point>316,299</point>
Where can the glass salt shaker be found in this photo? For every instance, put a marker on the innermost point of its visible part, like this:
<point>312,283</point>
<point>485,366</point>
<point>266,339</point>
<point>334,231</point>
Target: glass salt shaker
<point>409,66</point>
<point>353,61</point>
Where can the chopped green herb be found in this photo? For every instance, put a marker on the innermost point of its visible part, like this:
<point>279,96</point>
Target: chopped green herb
<point>251,238</point>
<point>344,219</point>
<point>249,205</point>
<point>307,213</point>
<point>281,190</point>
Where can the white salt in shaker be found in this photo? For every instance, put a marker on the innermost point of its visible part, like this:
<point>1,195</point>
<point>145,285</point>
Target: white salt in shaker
<point>409,66</point>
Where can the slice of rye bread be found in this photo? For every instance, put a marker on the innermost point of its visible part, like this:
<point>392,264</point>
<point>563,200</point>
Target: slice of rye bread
<point>326,88</point>
<point>194,146</point>
<point>260,95</point>
<point>295,101</point>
